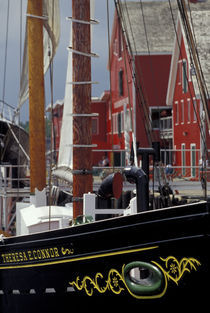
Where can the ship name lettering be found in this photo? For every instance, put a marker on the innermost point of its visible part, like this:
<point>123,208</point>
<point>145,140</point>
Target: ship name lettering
<point>30,255</point>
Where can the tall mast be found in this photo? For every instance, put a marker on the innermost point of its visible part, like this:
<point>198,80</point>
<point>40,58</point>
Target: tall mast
<point>82,127</point>
<point>36,95</point>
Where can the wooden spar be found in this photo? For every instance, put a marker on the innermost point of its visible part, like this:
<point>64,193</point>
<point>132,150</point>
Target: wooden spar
<point>82,125</point>
<point>36,95</point>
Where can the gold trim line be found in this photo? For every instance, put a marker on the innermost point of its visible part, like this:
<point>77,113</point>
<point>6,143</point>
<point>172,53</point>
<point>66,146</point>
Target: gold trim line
<point>78,259</point>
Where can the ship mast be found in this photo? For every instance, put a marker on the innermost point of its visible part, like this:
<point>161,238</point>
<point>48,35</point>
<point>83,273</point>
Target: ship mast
<point>82,127</point>
<point>36,95</point>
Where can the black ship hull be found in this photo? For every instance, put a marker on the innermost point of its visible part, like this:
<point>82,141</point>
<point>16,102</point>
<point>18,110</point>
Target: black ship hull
<point>98,263</point>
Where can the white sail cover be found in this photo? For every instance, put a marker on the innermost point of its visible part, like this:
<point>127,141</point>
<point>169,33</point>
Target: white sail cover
<point>51,35</point>
<point>65,159</point>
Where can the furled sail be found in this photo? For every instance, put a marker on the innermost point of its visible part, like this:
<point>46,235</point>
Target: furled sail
<point>65,158</point>
<point>51,35</point>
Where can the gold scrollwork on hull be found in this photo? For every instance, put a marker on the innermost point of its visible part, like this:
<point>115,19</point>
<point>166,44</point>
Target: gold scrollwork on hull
<point>174,269</point>
<point>67,251</point>
<point>114,283</point>
<point>171,268</point>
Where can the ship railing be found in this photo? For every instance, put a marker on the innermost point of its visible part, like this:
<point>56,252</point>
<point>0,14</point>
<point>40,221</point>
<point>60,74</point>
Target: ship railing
<point>90,208</point>
<point>12,177</point>
<point>7,111</point>
<point>166,130</point>
<point>14,184</point>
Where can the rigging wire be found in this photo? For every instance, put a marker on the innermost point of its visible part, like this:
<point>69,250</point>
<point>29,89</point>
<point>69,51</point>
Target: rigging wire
<point>195,41</point>
<point>138,86</point>
<point>152,72</point>
<point>132,116</point>
<point>20,64</point>
<point>52,141</point>
<point>127,24</point>
<point>191,40</point>
<point>5,57</point>
<point>110,82</point>
<point>202,131</point>
<point>180,51</point>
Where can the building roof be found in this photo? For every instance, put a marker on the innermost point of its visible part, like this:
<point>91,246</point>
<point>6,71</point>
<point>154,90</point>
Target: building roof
<point>151,25</point>
<point>200,16</point>
<point>201,25</point>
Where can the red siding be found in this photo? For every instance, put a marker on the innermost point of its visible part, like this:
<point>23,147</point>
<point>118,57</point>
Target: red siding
<point>152,72</point>
<point>186,125</point>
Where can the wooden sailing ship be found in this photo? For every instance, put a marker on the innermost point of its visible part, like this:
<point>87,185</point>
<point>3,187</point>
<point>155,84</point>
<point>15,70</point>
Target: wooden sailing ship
<point>145,259</point>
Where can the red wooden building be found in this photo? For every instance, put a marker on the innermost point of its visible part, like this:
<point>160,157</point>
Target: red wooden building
<point>140,66</point>
<point>139,79</point>
<point>57,121</point>
<point>153,95</point>
<point>189,129</point>
<point>99,125</point>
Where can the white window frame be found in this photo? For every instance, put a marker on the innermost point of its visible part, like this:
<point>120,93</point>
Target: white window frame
<point>177,112</point>
<point>195,110</point>
<point>188,110</point>
<point>183,158</point>
<point>182,111</point>
<point>193,150</point>
<point>180,72</point>
<point>184,76</point>
<point>97,125</point>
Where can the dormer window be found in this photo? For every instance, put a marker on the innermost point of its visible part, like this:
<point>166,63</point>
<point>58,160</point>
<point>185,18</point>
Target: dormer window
<point>120,82</point>
<point>184,76</point>
<point>115,47</point>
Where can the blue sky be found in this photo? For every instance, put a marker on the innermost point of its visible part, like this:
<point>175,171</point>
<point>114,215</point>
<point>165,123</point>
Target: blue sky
<point>10,89</point>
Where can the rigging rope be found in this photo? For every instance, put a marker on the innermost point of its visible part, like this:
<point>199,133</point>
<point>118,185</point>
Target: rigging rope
<point>52,141</point>
<point>152,72</point>
<point>190,35</point>
<point>110,81</point>
<point>139,88</point>
<point>139,83</point>
<point>190,50</point>
<point>132,116</point>
<point>195,57</point>
<point>5,58</point>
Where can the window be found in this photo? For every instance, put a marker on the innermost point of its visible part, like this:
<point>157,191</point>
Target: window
<point>193,160</point>
<point>119,158</point>
<point>194,110</point>
<point>115,47</point>
<point>188,110</point>
<point>184,77</point>
<point>114,118</point>
<point>122,122</point>
<point>182,111</point>
<point>180,72</point>
<point>155,117</point>
<point>95,126</point>
<point>183,159</point>
<point>120,81</point>
<point>119,123</point>
<point>128,126</point>
<point>177,112</point>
